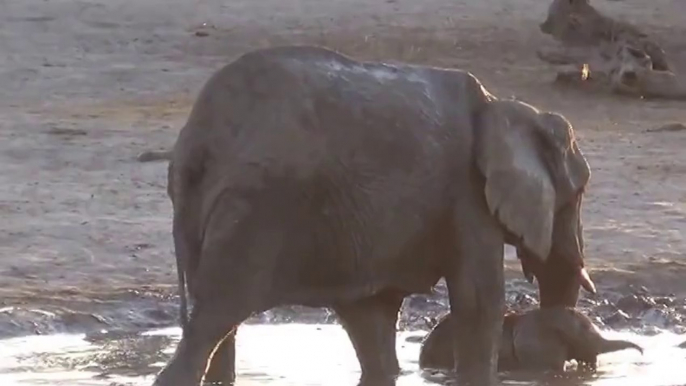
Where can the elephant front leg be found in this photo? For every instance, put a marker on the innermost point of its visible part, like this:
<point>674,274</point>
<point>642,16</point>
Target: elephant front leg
<point>222,368</point>
<point>477,297</point>
<point>371,326</point>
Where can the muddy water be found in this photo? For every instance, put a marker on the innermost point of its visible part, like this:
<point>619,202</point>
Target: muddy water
<point>290,355</point>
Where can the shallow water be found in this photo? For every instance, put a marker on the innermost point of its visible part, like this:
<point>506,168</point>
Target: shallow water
<point>293,354</point>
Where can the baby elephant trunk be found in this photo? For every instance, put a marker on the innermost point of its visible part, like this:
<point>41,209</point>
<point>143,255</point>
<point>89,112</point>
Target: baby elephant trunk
<point>607,346</point>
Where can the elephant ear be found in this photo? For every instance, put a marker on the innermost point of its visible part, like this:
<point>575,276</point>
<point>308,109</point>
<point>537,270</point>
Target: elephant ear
<point>519,189</point>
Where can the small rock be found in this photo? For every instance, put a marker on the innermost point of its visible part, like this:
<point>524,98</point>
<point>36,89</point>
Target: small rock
<point>415,338</point>
<point>659,318</point>
<point>683,345</point>
<point>422,303</point>
<point>617,320</point>
<point>430,321</point>
<point>104,335</point>
<point>651,331</point>
<point>65,131</point>
<point>642,290</point>
<point>598,321</point>
<point>159,314</point>
<point>522,301</point>
<point>81,320</point>
<point>665,301</point>
<point>151,156</point>
<point>605,307</point>
<point>587,302</point>
<point>635,304</point>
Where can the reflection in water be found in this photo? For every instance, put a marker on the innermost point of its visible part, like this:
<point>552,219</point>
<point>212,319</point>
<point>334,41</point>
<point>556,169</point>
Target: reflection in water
<point>290,355</point>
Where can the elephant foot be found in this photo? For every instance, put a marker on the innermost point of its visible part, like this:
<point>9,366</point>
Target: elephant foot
<point>379,380</point>
<point>207,329</point>
<point>228,382</point>
<point>176,376</point>
<point>223,364</point>
<point>371,327</point>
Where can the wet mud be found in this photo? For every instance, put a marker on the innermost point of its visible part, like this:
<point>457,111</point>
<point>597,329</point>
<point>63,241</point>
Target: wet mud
<point>295,354</point>
<point>632,309</point>
<point>104,356</point>
<point>108,342</point>
<point>132,311</point>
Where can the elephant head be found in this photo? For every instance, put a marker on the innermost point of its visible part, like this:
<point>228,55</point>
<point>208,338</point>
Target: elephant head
<point>535,176</point>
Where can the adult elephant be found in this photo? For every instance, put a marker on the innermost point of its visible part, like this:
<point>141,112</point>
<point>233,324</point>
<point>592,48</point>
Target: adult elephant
<point>305,177</point>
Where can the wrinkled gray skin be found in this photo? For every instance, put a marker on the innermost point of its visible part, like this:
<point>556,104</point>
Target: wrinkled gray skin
<point>542,339</point>
<point>305,177</point>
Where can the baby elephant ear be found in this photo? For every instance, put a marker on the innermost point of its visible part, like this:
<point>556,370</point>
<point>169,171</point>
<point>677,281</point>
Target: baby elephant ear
<point>518,188</point>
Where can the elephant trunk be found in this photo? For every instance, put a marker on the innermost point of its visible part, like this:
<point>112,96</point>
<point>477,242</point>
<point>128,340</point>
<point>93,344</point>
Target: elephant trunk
<point>608,345</point>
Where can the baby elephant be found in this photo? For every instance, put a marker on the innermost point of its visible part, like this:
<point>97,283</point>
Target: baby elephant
<point>542,339</point>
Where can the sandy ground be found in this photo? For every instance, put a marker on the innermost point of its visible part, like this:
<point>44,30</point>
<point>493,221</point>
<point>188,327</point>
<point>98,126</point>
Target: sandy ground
<point>87,85</point>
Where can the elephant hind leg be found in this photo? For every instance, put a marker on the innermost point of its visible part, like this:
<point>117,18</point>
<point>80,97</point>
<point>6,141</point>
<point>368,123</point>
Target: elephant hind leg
<point>225,297</point>
<point>229,285</point>
<point>371,326</point>
<point>222,367</point>
<point>207,328</point>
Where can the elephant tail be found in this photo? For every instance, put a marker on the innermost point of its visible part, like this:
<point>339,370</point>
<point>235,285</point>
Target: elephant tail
<point>611,345</point>
<point>186,245</point>
<point>181,250</point>
<point>186,251</point>
<point>183,294</point>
